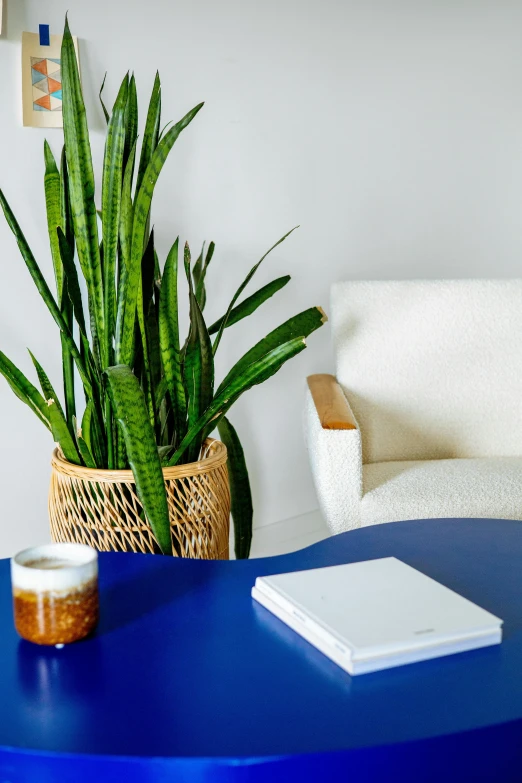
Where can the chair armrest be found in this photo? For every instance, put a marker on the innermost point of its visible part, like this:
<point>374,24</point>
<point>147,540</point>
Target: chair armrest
<point>330,403</point>
<point>333,440</point>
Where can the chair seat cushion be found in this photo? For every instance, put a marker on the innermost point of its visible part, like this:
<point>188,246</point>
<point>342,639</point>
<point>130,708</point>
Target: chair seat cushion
<point>485,487</point>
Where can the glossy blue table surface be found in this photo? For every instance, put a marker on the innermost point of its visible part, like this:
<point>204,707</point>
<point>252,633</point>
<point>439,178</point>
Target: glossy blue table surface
<point>187,679</point>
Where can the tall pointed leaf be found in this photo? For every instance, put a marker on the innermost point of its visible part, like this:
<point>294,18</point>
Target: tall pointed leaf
<point>98,440</point>
<point>162,131</point>
<point>24,389</point>
<point>255,373</point>
<point>65,205</point>
<point>86,428</point>
<point>65,302</point>
<point>125,332</point>
<point>45,292</point>
<point>250,304</point>
<point>240,492</point>
<point>242,287</point>
<point>61,433</point>
<point>73,285</point>
<point>198,266</point>
<point>197,274</point>
<point>199,277</point>
<point>301,325</point>
<point>85,453</point>
<point>59,428</point>
<point>81,180</point>
<point>169,338</point>
<point>151,135</point>
<point>132,415</point>
<point>111,202</point>
<point>131,120</point>
<point>199,363</point>
<point>45,384</point>
<point>146,279</point>
<point>67,359</point>
<point>52,186</point>
<point>127,213</point>
<point>104,108</point>
<point>73,293</point>
<point>149,279</point>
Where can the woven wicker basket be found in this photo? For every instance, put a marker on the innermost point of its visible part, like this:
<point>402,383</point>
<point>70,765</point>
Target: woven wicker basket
<point>101,507</point>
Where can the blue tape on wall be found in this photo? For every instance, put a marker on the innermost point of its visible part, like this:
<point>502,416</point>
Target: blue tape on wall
<point>45,38</point>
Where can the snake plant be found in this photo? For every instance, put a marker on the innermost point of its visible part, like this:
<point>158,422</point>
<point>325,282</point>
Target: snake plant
<point>150,398</point>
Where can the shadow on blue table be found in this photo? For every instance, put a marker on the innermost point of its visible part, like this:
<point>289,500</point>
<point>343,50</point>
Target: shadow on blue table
<point>141,591</point>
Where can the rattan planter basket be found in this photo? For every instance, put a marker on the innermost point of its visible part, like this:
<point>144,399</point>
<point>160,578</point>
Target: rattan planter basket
<point>101,507</point>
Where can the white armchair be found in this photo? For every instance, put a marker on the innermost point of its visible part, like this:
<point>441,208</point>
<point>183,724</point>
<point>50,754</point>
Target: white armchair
<point>424,416</point>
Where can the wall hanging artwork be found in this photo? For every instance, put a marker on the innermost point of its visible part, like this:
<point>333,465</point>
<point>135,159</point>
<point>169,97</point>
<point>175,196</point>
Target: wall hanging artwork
<point>42,79</point>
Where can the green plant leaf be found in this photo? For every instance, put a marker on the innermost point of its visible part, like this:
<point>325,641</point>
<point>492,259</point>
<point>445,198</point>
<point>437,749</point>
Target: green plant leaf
<point>240,492</point>
<point>81,445</point>
<point>65,205</point>
<point>301,325</point>
<point>57,206</point>
<point>45,292</point>
<point>59,427</point>
<point>61,433</point>
<point>131,412</point>
<point>199,273</point>
<point>255,373</point>
<point>150,275</point>
<point>85,453</point>
<point>201,293</point>
<point>127,213</point>
<point>161,391</point>
<point>52,186</point>
<point>151,134</point>
<point>86,428</point>
<point>198,366</point>
<point>162,132</point>
<point>24,389</point>
<point>169,339</point>
<point>45,384</point>
<point>125,332</point>
<point>111,203</point>
<point>73,293</point>
<point>197,269</point>
<point>104,108</point>
<point>81,181</point>
<point>131,120</point>
<point>143,368</point>
<point>67,359</point>
<point>242,287</point>
<point>250,304</point>
<point>99,443</point>
<point>71,276</point>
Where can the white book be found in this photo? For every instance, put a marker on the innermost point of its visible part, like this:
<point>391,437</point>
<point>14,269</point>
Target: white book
<point>376,614</point>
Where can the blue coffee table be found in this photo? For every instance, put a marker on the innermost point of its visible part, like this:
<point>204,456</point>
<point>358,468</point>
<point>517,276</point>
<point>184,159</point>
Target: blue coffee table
<point>188,680</point>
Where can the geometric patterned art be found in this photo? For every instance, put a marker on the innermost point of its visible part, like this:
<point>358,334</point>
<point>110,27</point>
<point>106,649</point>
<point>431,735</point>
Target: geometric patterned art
<point>46,77</point>
<point>42,97</point>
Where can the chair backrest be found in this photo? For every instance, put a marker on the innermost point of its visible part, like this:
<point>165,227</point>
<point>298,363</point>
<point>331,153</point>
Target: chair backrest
<point>432,369</point>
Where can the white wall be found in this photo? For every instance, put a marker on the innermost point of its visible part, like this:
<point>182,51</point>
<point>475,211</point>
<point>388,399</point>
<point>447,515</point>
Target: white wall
<point>391,130</point>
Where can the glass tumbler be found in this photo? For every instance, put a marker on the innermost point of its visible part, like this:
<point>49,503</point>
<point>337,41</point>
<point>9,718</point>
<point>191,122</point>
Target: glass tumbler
<point>55,592</point>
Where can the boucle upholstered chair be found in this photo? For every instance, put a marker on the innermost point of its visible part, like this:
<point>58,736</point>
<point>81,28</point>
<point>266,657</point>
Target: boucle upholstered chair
<point>424,416</point>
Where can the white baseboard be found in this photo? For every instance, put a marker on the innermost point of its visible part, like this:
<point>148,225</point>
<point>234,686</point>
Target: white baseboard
<point>289,535</point>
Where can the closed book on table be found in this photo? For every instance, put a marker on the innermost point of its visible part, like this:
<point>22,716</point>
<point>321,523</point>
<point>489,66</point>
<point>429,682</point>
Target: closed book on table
<point>376,614</point>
